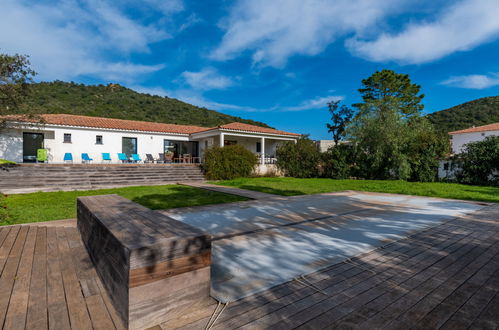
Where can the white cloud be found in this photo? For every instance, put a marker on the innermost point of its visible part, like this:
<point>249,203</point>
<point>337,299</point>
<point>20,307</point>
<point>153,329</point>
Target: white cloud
<point>461,27</point>
<point>315,103</point>
<point>275,30</point>
<point>474,81</point>
<point>68,39</point>
<point>207,79</point>
<point>196,98</point>
<point>193,97</point>
<point>191,20</point>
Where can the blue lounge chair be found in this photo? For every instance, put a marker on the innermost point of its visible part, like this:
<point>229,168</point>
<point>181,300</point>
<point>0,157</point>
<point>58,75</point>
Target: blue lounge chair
<point>136,158</point>
<point>106,157</point>
<point>68,157</point>
<point>85,158</point>
<point>123,157</point>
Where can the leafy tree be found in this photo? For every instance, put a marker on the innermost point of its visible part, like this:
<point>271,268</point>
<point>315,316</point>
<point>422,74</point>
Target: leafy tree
<point>15,77</point>
<point>393,139</point>
<point>387,92</point>
<point>300,159</point>
<point>228,162</point>
<point>479,162</point>
<point>340,117</point>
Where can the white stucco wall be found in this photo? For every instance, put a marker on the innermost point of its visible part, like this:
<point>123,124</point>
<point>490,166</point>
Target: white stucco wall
<point>82,140</point>
<point>459,140</point>
<point>11,145</point>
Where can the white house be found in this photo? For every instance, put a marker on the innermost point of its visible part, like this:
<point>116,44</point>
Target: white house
<point>459,139</point>
<point>61,133</point>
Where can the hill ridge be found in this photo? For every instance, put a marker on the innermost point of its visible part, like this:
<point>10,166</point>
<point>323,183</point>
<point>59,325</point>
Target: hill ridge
<point>119,102</point>
<point>478,112</point>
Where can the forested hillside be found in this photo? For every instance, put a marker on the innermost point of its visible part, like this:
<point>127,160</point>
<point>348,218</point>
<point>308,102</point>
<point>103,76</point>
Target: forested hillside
<point>478,112</point>
<point>115,101</point>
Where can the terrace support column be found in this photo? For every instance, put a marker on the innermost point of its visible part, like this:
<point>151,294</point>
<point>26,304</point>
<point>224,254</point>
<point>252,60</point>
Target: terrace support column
<point>222,139</point>
<point>262,156</point>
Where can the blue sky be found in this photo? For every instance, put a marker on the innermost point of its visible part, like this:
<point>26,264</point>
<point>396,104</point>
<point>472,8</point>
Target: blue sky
<point>277,61</point>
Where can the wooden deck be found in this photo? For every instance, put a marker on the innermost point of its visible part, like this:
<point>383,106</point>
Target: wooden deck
<point>444,277</point>
<point>48,282</point>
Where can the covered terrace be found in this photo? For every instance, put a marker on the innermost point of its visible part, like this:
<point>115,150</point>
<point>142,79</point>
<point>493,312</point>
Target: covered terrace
<point>259,140</point>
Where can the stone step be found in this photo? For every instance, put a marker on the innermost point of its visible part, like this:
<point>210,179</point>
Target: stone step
<point>99,183</point>
<point>77,176</point>
<point>90,175</point>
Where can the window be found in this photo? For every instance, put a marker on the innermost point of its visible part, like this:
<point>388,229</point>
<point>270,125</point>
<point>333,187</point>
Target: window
<point>258,147</point>
<point>67,138</point>
<point>229,142</point>
<point>180,148</point>
<point>98,139</point>
<point>446,166</point>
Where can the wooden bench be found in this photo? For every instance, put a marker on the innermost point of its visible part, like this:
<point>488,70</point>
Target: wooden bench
<point>154,268</point>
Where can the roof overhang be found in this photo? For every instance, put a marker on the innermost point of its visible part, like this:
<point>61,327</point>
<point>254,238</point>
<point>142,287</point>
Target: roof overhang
<point>29,125</point>
<point>218,131</point>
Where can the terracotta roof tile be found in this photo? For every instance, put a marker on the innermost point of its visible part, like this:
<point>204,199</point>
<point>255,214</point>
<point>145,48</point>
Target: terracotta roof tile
<point>253,128</point>
<point>111,123</point>
<point>490,127</point>
<point>133,125</point>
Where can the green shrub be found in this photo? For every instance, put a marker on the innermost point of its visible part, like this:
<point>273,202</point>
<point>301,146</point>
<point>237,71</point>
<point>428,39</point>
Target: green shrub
<point>300,159</point>
<point>339,162</point>
<point>7,162</point>
<point>229,162</point>
<point>479,162</point>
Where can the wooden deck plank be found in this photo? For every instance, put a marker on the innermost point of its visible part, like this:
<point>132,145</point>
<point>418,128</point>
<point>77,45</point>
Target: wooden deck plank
<point>342,292</point>
<point>392,303</point>
<point>97,310</point>
<point>78,313</point>
<point>118,324</point>
<point>37,305</point>
<point>8,276</point>
<point>58,314</point>
<point>465,315</point>
<point>3,234</point>
<point>488,317</point>
<point>448,277</point>
<point>334,307</point>
<point>397,250</point>
<point>417,311</point>
<point>7,244</point>
<point>18,305</point>
<point>474,273</point>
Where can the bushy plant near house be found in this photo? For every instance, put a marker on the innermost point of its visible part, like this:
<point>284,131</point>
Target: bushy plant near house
<point>300,159</point>
<point>228,162</point>
<point>479,163</point>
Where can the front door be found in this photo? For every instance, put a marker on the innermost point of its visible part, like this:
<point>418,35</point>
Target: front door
<point>31,143</point>
<point>129,146</point>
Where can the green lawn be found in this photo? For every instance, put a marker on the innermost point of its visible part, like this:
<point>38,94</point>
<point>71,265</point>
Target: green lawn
<point>292,186</point>
<point>44,206</point>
